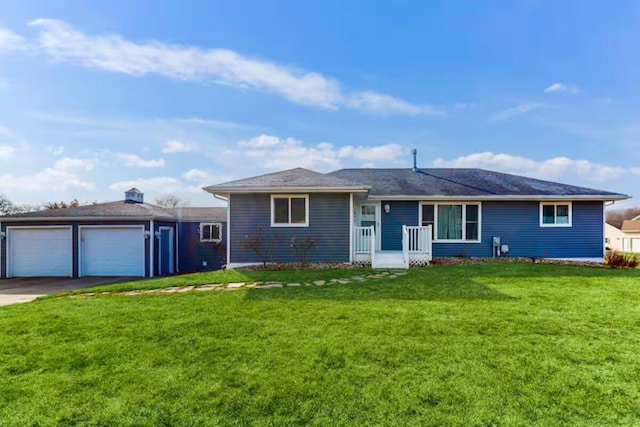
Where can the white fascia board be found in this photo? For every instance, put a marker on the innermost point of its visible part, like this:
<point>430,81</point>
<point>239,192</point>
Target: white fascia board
<point>494,197</point>
<point>224,192</point>
<point>87,218</point>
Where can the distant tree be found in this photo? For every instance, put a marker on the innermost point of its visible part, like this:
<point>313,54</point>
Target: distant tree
<point>62,204</point>
<point>9,208</point>
<point>6,206</point>
<point>171,201</point>
<point>618,216</point>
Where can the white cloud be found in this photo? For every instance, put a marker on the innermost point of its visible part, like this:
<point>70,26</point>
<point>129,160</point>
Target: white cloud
<point>72,165</point>
<point>377,153</point>
<point>196,175</point>
<point>515,111</point>
<point>137,161</point>
<point>46,181</point>
<point>272,152</point>
<point>561,87</point>
<point>547,169</point>
<point>175,146</point>
<point>6,151</point>
<point>384,105</point>
<point>10,41</point>
<point>56,151</point>
<point>260,141</point>
<point>157,185</point>
<point>115,53</point>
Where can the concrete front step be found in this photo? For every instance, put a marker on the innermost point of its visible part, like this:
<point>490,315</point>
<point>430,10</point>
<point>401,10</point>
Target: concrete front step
<point>388,260</point>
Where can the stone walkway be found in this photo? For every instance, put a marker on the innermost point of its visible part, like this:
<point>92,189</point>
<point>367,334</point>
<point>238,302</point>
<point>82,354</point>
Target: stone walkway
<point>391,274</point>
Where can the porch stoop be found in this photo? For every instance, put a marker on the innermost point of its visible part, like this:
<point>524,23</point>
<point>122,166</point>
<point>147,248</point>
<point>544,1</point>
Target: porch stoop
<point>388,259</point>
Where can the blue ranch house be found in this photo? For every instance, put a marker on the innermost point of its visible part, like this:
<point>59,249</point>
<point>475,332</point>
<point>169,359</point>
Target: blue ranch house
<point>402,217</point>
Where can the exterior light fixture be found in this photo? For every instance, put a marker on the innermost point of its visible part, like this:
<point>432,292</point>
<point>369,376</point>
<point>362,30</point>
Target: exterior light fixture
<point>387,208</point>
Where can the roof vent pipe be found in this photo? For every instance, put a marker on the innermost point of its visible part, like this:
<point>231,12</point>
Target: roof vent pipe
<point>414,152</point>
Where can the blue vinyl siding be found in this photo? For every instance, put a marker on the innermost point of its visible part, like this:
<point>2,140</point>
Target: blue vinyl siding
<point>193,253</point>
<point>400,213</point>
<point>517,224</point>
<point>329,219</point>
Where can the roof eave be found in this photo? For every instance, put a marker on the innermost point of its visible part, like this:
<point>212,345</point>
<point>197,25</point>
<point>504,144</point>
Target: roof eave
<point>85,218</point>
<point>231,190</point>
<point>537,197</point>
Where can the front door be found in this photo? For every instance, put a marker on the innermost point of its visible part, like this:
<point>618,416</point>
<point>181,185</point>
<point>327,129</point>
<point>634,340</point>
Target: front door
<point>166,251</point>
<point>367,215</point>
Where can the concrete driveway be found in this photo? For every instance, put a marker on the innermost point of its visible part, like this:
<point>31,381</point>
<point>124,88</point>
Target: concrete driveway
<point>13,291</point>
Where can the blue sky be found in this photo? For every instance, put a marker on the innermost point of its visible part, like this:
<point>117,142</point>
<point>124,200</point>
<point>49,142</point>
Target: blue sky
<point>96,97</point>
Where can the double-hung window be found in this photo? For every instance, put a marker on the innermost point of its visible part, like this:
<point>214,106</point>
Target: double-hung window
<point>452,221</point>
<point>290,210</point>
<point>210,232</point>
<point>555,214</point>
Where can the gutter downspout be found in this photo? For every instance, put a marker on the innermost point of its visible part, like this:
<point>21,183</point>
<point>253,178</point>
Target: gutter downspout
<point>228,200</point>
<point>152,241</point>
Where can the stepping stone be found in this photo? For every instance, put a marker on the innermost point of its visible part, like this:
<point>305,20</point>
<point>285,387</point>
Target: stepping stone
<point>384,273</point>
<point>186,289</point>
<point>131,293</point>
<point>258,283</point>
<point>343,281</point>
<point>392,276</point>
<point>272,285</point>
<point>357,278</point>
<point>236,285</point>
<point>293,284</point>
<point>208,287</point>
<point>401,273</point>
<point>319,282</point>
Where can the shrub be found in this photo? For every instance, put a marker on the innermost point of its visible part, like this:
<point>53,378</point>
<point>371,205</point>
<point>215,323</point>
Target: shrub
<point>617,259</point>
<point>263,245</point>
<point>303,247</point>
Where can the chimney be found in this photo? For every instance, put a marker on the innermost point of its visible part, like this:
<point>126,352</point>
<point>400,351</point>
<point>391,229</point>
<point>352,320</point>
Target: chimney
<point>133,195</point>
<point>414,152</point>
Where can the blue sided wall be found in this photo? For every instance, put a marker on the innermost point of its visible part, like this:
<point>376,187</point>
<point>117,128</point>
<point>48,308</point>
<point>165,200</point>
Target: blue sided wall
<point>195,255</point>
<point>329,224</point>
<point>517,224</point>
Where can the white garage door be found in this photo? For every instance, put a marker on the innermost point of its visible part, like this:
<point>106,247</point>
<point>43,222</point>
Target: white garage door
<point>111,251</point>
<point>635,244</point>
<point>39,252</point>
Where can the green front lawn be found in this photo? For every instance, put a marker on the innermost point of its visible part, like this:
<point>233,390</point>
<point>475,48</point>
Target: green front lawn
<point>487,344</point>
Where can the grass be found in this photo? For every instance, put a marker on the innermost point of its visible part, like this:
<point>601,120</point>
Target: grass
<point>486,344</point>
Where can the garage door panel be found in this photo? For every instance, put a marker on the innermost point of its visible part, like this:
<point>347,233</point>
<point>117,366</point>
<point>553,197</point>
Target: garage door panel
<point>112,252</point>
<point>39,252</point>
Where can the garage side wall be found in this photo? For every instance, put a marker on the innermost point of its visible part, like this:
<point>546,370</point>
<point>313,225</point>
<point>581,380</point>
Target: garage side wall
<point>74,228</point>
<point>200,256</point>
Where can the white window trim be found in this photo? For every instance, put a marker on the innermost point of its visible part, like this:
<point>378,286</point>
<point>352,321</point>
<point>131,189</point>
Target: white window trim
<point>289,196</point>
<point>555,205</point>
<point>211,224</point>
<point>464,220</point>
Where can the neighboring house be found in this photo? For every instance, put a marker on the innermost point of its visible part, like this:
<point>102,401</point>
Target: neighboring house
<point>123,238</point>
<point>615,239</point>
<point>397,217</point>
<point>632,229</point>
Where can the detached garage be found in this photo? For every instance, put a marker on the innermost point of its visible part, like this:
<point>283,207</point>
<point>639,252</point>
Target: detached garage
<point>39,251</point>
<point>124,238</point>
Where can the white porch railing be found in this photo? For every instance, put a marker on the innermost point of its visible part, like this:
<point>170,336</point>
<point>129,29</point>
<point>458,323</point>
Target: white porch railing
<point>416,244</point>
<point>363,239</point>
<point>405,246</point>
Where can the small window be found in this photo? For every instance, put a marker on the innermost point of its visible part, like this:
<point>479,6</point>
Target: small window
<point>428,218</point>
<point>290,211</point>
<point>555,214</point>
<point>210,232</point>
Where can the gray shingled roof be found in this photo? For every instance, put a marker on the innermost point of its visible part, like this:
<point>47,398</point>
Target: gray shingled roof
<point>460,182</point>
<point>200,214</point>
<point>122,209</point>
<point>298,178</point>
